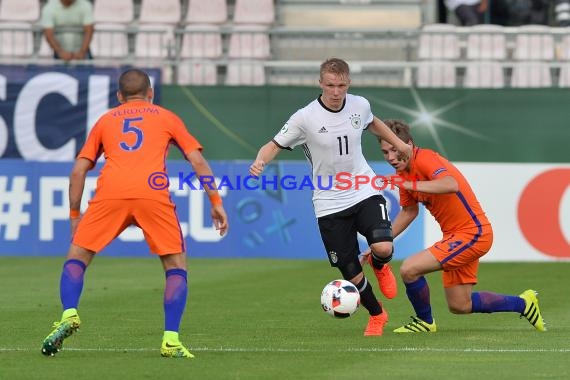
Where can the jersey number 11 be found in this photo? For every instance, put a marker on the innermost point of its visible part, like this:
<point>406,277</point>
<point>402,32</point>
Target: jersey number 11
<point>340,145</point>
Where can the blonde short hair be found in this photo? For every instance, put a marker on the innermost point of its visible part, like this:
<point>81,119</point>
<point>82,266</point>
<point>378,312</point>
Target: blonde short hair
<point>335,66</point>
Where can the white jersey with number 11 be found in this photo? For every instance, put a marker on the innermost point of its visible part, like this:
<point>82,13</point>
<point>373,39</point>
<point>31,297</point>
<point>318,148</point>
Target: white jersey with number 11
<point>331,141</point>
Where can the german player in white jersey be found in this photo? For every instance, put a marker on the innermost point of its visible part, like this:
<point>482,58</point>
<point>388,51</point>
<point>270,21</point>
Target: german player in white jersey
<point>329,129</point>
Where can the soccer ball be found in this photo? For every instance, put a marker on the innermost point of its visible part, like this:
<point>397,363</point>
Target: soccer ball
<point>340,299</point>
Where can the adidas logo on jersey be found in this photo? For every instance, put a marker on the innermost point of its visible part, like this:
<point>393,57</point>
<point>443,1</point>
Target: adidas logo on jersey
<point>323,130</point>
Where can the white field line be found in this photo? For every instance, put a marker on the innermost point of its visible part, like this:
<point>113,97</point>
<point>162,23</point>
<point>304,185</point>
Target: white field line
<point>286,350</point>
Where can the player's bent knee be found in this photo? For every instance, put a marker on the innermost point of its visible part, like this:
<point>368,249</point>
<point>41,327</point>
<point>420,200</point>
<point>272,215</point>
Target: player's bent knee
<point>404,268</point>
<point>408,273</point>
<point>382,250</point>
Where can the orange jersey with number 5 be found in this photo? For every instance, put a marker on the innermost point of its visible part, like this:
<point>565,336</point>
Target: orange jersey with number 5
<point>134,139</point>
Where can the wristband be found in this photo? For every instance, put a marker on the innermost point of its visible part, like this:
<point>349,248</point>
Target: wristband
<point>215,199</point>
<point>74,214</point>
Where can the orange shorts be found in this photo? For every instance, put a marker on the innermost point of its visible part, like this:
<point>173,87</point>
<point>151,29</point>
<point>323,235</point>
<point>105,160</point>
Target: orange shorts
<point>104,220</point>
<point>459,254</point>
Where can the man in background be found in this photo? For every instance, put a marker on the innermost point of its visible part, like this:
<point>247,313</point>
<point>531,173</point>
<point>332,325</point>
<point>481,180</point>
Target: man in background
<point>468,12</point>
<point>68,28</point>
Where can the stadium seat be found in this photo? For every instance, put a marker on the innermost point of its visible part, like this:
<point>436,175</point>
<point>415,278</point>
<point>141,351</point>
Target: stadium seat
<point>250,73</point>
<point>167,73</point>
<point>197,73</point>
<point>113,11</point>
<point>534,42</point>
<point>154,38</point>
<point>16,28</point>
<point>484,74</point>
<point>201,41</point>
<point>486,42</point>
<point>207,12</point>
<point>16,39</point>
<point>436,74</point>
<point>531,74</point>
<point>154,41</point>
<point>254,12</point>
<point>20,10</point>
<point>292,78</point>
<point>110,40</point>
<point>439,41</point>
<point>160,12</point>
<point>250,41</point>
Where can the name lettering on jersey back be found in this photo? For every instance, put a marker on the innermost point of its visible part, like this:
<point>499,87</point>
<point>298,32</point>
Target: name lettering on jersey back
<point>135,111</point>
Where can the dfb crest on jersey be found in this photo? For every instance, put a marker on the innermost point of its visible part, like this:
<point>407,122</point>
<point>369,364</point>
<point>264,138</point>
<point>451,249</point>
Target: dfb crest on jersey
<point>355,121</point>
<point>284,129</point>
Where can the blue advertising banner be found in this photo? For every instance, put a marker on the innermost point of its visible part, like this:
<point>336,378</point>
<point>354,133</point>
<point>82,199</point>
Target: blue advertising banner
<point>273,218</point>
<point>47,111</point>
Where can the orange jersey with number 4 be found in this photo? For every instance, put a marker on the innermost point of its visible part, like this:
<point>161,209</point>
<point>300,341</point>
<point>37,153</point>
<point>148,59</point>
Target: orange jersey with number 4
<point>134,139</point>
<point>454,211</point>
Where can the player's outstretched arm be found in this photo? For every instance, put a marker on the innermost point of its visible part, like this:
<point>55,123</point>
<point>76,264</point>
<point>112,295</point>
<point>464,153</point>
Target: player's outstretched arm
<point>406,216</point>
<point>378,128</point>
<point>265,155</point>
<point>203,170</point>
<point>444,185</point>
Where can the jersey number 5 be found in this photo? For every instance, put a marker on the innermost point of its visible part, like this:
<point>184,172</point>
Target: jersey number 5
<point>129,128</point>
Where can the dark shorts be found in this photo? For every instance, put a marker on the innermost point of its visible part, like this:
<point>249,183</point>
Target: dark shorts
<point>88,55</point>
<point>339,230</point>
<point>469,15</point>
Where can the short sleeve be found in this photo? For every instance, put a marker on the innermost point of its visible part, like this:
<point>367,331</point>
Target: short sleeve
<point>292,133</point>
<point>88,13</point>
<point>181,137</point>
<point>430,165</point>
<point>368,115</point>
<point>47,20</point>
<point>93,146</point>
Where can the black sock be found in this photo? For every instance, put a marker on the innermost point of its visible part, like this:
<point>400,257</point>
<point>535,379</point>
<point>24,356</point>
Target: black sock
<point>367,298</point>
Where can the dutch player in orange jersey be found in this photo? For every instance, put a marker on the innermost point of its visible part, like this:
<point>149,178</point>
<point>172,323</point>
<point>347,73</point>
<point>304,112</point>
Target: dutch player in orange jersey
<point>430,179</point>
<point>134,139</point>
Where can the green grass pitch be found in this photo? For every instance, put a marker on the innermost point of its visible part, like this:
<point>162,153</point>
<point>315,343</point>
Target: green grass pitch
<point>261,319</point>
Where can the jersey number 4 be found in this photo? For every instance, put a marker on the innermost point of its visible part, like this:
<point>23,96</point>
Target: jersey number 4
<point>453,244</point>
<point>129,127</point>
